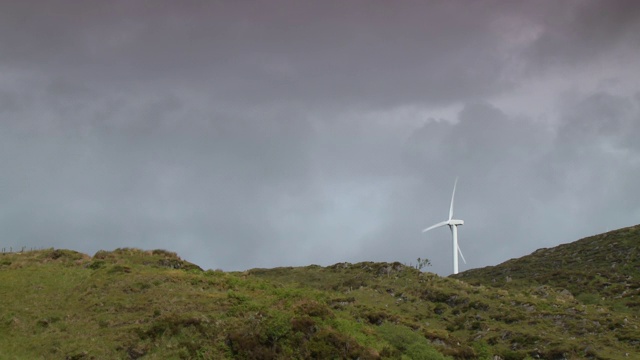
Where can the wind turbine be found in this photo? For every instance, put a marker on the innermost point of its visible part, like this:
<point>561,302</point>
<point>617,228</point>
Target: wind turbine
<point>453,225</point>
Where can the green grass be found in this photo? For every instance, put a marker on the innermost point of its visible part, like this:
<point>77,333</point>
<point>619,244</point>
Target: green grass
<point>130,304</point>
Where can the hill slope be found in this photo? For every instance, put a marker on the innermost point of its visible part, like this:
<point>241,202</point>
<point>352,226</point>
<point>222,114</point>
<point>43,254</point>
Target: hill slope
<point>602,269</point>
<point>129,303</point>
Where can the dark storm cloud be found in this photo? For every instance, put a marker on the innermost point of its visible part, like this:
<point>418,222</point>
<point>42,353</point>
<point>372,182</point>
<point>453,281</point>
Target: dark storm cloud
<point>583,30</point>
<point>372,53</point>
<point>244,134</point>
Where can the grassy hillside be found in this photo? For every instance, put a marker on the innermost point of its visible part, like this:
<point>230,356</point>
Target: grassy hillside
<point>602,269</point>
<point>134,304</point>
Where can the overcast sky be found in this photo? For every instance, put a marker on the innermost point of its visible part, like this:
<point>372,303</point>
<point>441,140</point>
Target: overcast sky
<point>246,134</point>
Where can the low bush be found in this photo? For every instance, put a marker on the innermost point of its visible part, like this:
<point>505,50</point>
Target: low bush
<point>409,343</point>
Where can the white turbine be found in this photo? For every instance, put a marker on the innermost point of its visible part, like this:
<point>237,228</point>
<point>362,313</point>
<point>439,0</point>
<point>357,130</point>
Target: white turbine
<point>453,225</point>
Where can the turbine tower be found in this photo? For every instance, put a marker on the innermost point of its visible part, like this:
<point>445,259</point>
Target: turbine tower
<point>453,225</point>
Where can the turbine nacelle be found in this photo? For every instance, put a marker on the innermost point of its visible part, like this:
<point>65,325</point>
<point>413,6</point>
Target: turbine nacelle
<point>452,222</point>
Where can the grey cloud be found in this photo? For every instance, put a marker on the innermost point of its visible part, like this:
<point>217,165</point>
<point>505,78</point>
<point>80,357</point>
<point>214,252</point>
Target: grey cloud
<point>601,119</point>
<point>264,52</point>
<point>583,30</point>
<point>522,186</point>
<point>595,150</point>
<point>483,139</point>
<point>268,134</point>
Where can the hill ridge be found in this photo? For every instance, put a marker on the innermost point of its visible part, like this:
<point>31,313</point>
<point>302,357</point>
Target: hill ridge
<point>135,304</point>
<point>599,268</point>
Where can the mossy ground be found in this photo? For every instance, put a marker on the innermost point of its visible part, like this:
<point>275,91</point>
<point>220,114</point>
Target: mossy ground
<point>130,304</point>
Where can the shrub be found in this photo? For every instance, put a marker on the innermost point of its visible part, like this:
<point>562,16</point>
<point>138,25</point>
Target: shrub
<point>276,327</point>
<point>376,317</point>
<point>329,344</point>
<point>313,309</point>
<point>409,343</point>
<point>304,325</point>
<point>165,253</point>
<point>97,264</point>
<point>482,350</point>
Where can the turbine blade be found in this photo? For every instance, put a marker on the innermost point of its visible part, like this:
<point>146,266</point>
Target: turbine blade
<point>436,225</point>
<point>462,256</point>
<point>452,196</point>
